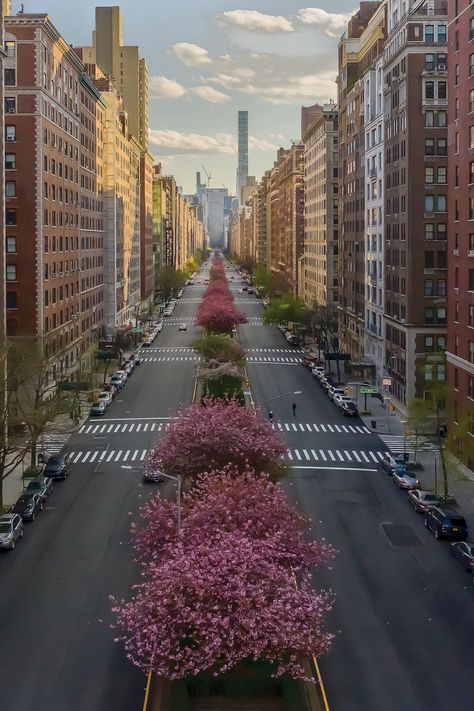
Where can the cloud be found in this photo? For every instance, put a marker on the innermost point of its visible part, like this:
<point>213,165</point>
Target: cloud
<point>191,55</point>
<point>207,93</point>
<point>190,143</point>
<point>163,88</point>
<point>255,21</point>
<point>333,24</point>
<point>177,143</point>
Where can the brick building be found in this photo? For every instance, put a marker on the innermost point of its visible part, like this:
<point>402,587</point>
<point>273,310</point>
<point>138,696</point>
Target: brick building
<point>460,350</point>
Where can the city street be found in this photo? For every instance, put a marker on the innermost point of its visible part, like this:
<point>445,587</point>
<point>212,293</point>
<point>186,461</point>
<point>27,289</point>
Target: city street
<point>403,605</point>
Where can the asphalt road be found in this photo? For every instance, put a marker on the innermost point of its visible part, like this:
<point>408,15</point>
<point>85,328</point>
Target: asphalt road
<point>56,646</point>
<point>404,607</point>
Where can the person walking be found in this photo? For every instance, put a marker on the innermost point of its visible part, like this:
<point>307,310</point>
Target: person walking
<point>293,407</point>
<point>270,416</point>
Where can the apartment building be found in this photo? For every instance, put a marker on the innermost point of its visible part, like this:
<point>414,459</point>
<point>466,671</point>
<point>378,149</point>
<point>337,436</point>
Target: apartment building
<point>415,110</point>
<point>43,208</point>
<point>4,48</point>
<point>460,351</point>
<point>358,49</point>
<point>320,268</point>
<point>373,112</point>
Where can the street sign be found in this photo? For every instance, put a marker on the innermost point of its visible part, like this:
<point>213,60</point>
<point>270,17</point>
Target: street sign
<point>387,381</point>
<point>369,390</point>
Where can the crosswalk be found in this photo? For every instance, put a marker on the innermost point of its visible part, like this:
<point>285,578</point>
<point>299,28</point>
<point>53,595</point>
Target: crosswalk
<point>323,457</point>
<point>320,428</point>
<point>100,428</point>
<point>165,349</point>
<point>54,442</point>
<point>170,359</point>
<point>274,350</point>
<point>175,320</point>
<point>274,359</point>
<point>397,444</point>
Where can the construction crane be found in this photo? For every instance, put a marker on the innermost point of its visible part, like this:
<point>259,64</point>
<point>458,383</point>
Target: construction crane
<point>208,176</point>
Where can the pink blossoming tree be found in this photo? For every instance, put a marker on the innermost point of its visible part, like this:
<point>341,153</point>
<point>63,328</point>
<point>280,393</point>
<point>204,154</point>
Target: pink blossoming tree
<point>212,435</point>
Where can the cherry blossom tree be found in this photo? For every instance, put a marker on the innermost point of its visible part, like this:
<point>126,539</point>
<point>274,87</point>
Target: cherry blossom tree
<point>230,501</point>
<point>219,315</point>
<point>215,604</point>
<point>220,348</point>
<point>212,435</point>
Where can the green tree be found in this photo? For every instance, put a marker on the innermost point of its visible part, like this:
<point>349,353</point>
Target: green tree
<point>418,411</point>
<point>219,347</point>
<point>170,280</point>
<point>284,309</point>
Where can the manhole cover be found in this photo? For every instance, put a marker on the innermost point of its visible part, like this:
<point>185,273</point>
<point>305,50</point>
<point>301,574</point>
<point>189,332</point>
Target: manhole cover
<point>400,535</point>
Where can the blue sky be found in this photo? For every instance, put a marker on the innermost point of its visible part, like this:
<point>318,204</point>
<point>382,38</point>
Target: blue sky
<point>209,59</point>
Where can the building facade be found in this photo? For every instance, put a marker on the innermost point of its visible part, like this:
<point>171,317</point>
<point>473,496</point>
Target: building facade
<point>373,108</point>
<point>358,48</point>
<point>415,98</point>
<point>460,348</point>
<point>43,208</point>
<point>5,10</point>
<point>320,267</point>
<point>243,150</point>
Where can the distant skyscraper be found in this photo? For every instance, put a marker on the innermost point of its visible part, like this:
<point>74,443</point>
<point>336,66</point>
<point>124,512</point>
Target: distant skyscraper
<point>243,165</point>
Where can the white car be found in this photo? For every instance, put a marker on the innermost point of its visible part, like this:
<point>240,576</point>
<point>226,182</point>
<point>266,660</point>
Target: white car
<point>105,397</point>
<point>159,328</point>
<point>182,327</point>
<point>122,374</point>
<point>332,392</point>
<point>339,399</point>
<point>317,371</point>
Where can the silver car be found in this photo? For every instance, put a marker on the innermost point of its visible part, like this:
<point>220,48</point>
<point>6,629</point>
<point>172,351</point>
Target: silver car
<point>11,530</point>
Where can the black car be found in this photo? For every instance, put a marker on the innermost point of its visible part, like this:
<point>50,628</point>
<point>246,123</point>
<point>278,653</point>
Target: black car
<point>58,467</point>
<point>153,476</point>
<point>349,409</point>
<point>446,523</point>
<point>28,506</point>
<point>463,551</point>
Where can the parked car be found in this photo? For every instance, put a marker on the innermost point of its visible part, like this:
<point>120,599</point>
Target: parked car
<point>405,479</point>
<point>389,464</point>
<point>43,486</point>
<point>28,506</point>
<point>335,390</point>
<point>317,371</point>
<point>422,499</point>
<point>180,293</point>
<point>446,523</point>
<point>129,367</point>
<point>109,387</point>
<point>11,530</point>
<point>250,290</point>
<point>293,340</point>
<point>159,327</point>
<point>326,383</point>
<point>106,397</point>
<point>97,409</point>
<point>167,312</point>
<point>310,361</point>
<point>463,551</point>
<point>117,382</point>
<point>339,399</point>
<point>349,408</point>
<point>182,327</point>
<point>58,467</point>
<point>147,342</point>
<point>123,374</point>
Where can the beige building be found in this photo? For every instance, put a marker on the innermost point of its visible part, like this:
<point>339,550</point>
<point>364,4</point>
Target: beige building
<point>321,247</point>
<point>124,65</point>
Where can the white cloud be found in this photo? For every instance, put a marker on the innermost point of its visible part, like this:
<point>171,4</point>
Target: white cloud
<point>333,24</point>
<point>177,143</point>
<point>191,55</point>
<point>163,88</point>
<point>189,143</point>
<point>255,21</point>
<point>207,93</point>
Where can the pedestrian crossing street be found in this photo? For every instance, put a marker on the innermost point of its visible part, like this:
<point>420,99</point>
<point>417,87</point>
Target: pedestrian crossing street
<point>320,456</point>
<point>397,444</point>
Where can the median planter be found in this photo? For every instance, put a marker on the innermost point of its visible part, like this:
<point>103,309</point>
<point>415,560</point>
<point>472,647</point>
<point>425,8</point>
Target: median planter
<point>248,687</point>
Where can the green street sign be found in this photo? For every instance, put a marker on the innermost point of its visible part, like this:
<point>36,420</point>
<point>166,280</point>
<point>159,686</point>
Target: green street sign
<point>369,390</point>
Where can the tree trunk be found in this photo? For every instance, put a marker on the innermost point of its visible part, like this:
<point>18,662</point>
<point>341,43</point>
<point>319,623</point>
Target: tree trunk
<point>338,371</point>
<point>417,429</point>
<point>442,455</point>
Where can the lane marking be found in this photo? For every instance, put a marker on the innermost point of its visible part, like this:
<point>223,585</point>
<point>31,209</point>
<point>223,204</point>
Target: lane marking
<point>336,469</point>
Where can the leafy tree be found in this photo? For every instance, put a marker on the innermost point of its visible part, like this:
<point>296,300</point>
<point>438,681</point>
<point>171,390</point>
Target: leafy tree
<point>418,415</point>
<point>170,280</point>
<point>229,582</point>
<point>284,309</point>
<point>212,435</point>
<point>219,347</point>
<point>271,283</point>
<point>219,315</point>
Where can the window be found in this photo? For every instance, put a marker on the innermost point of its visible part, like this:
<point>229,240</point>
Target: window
<point>10,188</point>
<point>428,287</point>
<point>471,315</point>
<point>441,33</point>
<point>429,230</point>
<point>10,161</point>
<point>429,344</point>
<point>471,65</point>
<point>441,145</point>
<point>441,314</point>
<point>440,371</point>
<point>442,90</point>
<point>471,136</point>
<point>471,100</point>
<point>429,175</point>
<point>429,33</point>
<point>429,314</point>
<point>10,216</point>
<point>429,203</point>
<point>442,230</point>
<point>429,62</point>
<point>441,287</point>
<point>471,352</point>
<point>442,175</point>
<point>429,260</point>
<point>10,105</point>
<point>9,77</point>
<point>441,343</point>
<point>429,145</point>
<point>10,133</point>
<point>429,119</point>
<point>471,28</point>
<point>12,300</point>
<point>10,48</point>
<point>441,203</point>
<point>11,244</point>
<point>442,119</point>
<point>11,272</point>
<point>429,90</point>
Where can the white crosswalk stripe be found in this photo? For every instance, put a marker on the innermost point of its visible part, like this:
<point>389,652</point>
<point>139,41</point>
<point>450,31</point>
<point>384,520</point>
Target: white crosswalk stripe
<point>173,359</point>
<point>320,428</point>
<point>127,428</point>
<point>274,350</point>
<point>273,359</point>
<point>332,457</point>
<point>398,444</point>
<point>53,442</point>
